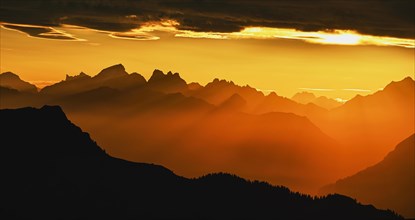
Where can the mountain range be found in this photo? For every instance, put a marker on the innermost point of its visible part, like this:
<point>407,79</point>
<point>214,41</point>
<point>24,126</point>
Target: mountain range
<point>224,127</point>
<point>53,170</point>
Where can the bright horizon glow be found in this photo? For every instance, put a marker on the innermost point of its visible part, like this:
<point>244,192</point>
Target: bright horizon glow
<point>280,60</point>
<point>335,37</point>
<point>152,30</point>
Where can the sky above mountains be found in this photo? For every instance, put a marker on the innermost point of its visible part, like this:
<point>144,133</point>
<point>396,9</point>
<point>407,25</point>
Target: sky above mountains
<point>333,48</point>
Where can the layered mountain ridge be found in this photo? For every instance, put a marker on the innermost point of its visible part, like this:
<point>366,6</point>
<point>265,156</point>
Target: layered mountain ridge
<point>224,127</point>
<point>389,183</point>
<point>68,174</point>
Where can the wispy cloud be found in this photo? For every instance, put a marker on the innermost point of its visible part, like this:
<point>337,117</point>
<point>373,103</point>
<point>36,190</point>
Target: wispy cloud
<point>153,30</point>
<point>40,32</point>
<point>317,89</point>
<point>332,37</point>
<point>357,90</point>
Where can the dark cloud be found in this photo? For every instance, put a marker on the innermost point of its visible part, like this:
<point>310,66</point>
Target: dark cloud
<point>376,17</point>
<point>134,36</point>
<point>41,32</point>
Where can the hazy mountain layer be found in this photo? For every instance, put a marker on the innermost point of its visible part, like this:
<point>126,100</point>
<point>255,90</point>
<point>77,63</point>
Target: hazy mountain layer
<point>226,127</point>
<point>52,170</point>
<point>388,184</point>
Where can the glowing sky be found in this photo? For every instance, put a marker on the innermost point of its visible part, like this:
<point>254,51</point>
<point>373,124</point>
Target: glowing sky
<point>336,63</point>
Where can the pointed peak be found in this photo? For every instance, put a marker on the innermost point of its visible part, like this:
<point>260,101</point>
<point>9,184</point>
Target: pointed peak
<point>118,67</point>
<point>234,101</point>
<point>112,72</point>
<point>9,75</point>
<point>406,82</point>
<point>272,95</point>
<point>236,96</point>
<point>157,74</point>
<point>408,78</point>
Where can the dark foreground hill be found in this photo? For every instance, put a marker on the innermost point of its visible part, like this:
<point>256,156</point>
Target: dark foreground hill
<point>52,170</point>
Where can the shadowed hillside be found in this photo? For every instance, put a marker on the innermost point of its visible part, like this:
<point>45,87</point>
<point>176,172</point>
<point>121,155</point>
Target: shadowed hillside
<point>390,183</point>
<point>165,120</point>
<point>53,170</point>
<point>13,81</point>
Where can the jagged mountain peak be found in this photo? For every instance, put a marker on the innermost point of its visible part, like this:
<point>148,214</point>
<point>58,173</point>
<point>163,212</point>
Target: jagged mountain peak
<point>81,75</point>
<point>159,75</point>
<point>406,83</point>
<point>114,71</point>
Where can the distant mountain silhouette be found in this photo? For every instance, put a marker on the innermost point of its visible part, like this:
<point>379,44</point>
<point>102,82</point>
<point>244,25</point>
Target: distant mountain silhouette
<point>371,124</point>
<point>168,83</point>
<point>148,124</point>
<point>165,119</point>
<point>218,91</point>
<point>322,101</point>
<point>194,86</point>
<point>234,102</point>
<point>51,170</point>
<point>13,81</point>
<point>12,98</point>
<point>388,184</point>
<point>113,77</point>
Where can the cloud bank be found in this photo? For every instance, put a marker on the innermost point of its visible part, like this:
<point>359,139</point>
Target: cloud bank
<point>371,17</point>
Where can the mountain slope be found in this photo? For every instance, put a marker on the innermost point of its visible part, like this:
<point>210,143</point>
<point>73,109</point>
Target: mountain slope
<point>388,184</point>
<point>175,130</point>
<point>53,170</point>
<point>371,124</point>
<point>13,81</point>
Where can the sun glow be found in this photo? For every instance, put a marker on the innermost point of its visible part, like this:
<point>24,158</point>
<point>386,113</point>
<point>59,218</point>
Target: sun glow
<point>345,38</point>
<point>155,30</point>
<point>332,37</point>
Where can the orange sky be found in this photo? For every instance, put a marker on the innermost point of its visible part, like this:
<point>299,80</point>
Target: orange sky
<point>269,59</point>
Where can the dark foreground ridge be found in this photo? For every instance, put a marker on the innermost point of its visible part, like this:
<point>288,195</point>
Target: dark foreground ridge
<point>52,170</point>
